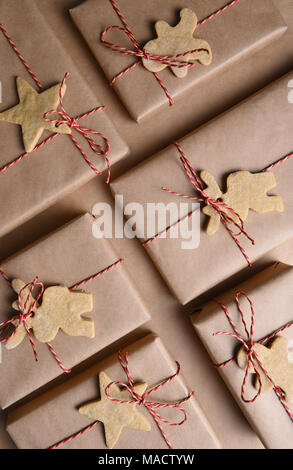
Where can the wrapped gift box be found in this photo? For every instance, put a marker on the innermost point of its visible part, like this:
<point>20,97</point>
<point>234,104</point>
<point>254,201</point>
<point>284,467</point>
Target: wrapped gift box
<point>272,296</point>
<point>50,172</point>
<point>250,136</point>
<point>54,416</point>
<point>67,257</point>
<point>238,31</point>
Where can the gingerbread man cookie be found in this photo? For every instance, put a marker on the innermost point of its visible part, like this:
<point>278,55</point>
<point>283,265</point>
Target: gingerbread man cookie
<point>275,360</point>
<point>60,309</point>
<point>177,40</point>
<point>245,191</point>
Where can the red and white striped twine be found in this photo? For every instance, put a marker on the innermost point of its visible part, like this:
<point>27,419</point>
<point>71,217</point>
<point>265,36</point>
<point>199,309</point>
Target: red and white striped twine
<point>136,399</point>
<point>278,162</point>
<point>73,123</point>
<point>12,44</point>
<point>26,311</point>
<point>74,436</point>
<point>252,356</point>
<point>151,406</point>
<point>216,204</point>
<point>218,12</point>
<point>98,149</point>
<point>173,61</point>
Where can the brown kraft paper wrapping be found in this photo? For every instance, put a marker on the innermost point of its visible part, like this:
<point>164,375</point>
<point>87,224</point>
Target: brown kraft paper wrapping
<point>67,257</point>
<point>272,296</point>
<point>250,137</point>
<point>240,30</point>
<point>54,416</point>
<point>31,185</point>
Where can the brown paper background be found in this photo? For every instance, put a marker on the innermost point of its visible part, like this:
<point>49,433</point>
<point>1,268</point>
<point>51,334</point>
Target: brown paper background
<point>61,406</point>
<point>240,139</point>
<point>67,257</point>
<point>239,31</point>
<point>36,176</point>
<point>272,296</point>
<point>169,319</point>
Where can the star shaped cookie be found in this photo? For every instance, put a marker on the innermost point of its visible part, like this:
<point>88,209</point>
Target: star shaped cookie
<point>115,416</point>
<point>29,113</point>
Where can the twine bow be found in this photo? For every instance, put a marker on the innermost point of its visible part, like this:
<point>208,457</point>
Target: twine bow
<point>141,53</point>
<point>64,119</point>
<point>26,311</point>
<point>173,61</point>
<point>73,123</point>
<point>217,205</point>
<point>26,308</point>
<point>248,344</point>
<point>151,406</point>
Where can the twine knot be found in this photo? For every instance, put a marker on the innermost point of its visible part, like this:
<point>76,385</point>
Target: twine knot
<point>249,345</point>
<point>145,55</point>
<point>141,400</point>
<point>70,122</point>
<point>26,308</point>
<point>209,201</point>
